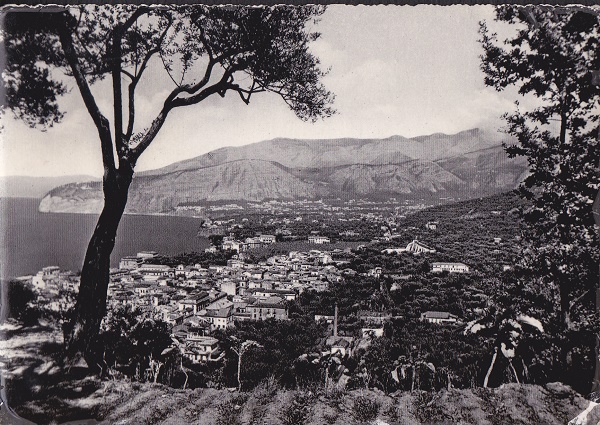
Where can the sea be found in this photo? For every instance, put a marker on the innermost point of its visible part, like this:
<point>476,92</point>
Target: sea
<point>30,240</point>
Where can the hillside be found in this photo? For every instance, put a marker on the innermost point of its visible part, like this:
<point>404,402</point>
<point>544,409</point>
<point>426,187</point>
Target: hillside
<point>318,153</point>
<point>40,390</point>
<point>465,165</point>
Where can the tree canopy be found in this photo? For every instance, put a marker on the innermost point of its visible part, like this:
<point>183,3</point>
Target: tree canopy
<point>552,56</point>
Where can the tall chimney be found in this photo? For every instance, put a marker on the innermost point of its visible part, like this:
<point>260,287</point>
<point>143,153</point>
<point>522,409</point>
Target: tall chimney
<point>335,320</point>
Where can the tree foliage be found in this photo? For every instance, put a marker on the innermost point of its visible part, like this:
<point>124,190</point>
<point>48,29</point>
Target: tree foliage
<point>551,56</point>
<point>197,45</point>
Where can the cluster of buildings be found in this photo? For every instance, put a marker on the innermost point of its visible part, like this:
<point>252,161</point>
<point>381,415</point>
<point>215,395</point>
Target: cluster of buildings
<point>197,301</point>
<point>231,244</point>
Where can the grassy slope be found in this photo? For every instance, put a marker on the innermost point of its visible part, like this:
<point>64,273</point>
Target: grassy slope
<point>119,402</point>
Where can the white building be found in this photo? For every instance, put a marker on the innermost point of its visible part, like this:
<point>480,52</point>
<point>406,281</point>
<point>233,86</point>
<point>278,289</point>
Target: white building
<point>267,239</point>
<point>418,247</point>
<point>431,225</point>
<point>439,317</point>
<point>318,239</point>
<point>153,272</point>
<point>130,263</point>
<point>450,267</point>
<point>201,348</point>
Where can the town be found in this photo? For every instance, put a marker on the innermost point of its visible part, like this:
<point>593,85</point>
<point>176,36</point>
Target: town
<point>196,301</point>
<point>428,273</point>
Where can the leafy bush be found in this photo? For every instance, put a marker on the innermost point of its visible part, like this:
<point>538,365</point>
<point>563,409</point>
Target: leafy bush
<point>20,300</point>
<point>297,412</point>
<point>229,411</point>
<point>427,410</point>
<point>136,346</point>
<point>365,409</point>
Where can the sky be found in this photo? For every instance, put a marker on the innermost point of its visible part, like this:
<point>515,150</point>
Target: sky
<point>395,70</point>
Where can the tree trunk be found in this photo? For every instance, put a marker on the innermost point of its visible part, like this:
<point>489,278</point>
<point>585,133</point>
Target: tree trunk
<point>596,383</point>
<point>514,371</point>
<point>82,333</point>
<point>184,372</point>
<point>489,372</point>
<point>239,371</point>
<point>157,372</point>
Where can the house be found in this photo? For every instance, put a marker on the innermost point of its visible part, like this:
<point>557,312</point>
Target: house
<point>253,243</point>
<point>130,263</point>
<point>240,311</point>
<point>201,348</point>
<point>267,239</point>
<point>340,344</point>
<point>229,287</point>
<point>417,247</point>
<point>153,272</point>
<point>272,307</point>
<point>439,317</point>
<point>376,272</point>
<point>326,318</point>
<point>235,263</point>
<point>195,303</point>
<point>142,289</point>
<point>318,239</point>
<point>236,246</point>
<point>320,285</point>
<point>173,318</point>
<point>375,317</point>
<point>219,319</point>
<point>450,267</point>
<point>372,332</point>
<point>288,295</point>
<point>431,225</point>
<point>147,255</point>
<point>393,250</point>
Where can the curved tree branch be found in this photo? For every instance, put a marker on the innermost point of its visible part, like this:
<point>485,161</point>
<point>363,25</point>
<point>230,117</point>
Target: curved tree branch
<point>138,75</point>
<point>173,101</point>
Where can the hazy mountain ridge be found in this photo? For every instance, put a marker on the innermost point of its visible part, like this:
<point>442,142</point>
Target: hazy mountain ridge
<point>34,187</point>
<point>467,164</point>
<point>316,153</point>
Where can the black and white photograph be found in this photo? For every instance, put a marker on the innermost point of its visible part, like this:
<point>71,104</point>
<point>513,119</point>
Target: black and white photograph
<point>300,214</point>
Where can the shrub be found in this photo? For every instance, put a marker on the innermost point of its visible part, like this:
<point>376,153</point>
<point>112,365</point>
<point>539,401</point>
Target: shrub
<point>20,303</point>
<point>330,418</point>
<point>428,410</point>
<point>364,409</point>
<point>297,412</point>
<point>230,410</point>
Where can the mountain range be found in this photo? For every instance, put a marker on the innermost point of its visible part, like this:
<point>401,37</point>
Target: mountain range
<point>464,165</point>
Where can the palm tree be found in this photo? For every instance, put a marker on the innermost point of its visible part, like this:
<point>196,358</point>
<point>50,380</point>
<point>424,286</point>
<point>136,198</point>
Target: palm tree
<point>505,327</point>
<point>415,365</point>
